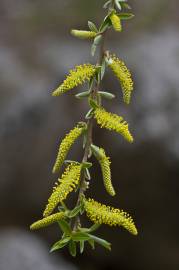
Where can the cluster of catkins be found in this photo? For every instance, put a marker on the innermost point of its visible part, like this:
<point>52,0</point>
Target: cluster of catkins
<point>76,175</point>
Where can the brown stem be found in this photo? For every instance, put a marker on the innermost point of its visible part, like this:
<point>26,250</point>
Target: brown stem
<point>89,135</point>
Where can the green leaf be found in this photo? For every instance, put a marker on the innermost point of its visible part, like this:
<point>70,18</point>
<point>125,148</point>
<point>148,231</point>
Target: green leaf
<point>92,27</point>
<point>94,227</point>
<point>60,244</point>
<point>82,245</point>
<point>118,5</point>
<point>65,227</point>
<point>93,49</point>
<point>93,103</point>
<point>106,95</point>
<point>91,242</point>
<point>87,174</point>
<point>101,241</point>
<point>98,39</point>
<point>125,5</point>
<point>89,114</point>
<point>107,4</point>
<point>86,165</point>
<point>72,248</point>
<point>82,95</point>
<point>125,16</point>
<point>74,212</point>
<point>105,24</point>
<point>96,151</point>
<point>80,236</point>
<point>103,68</point>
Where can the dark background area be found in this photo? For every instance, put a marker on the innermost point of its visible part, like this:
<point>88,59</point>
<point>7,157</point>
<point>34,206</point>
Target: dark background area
<point>36,51</point>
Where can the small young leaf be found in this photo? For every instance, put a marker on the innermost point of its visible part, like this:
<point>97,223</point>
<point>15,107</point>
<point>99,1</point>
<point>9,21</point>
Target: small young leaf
<point>80,236</point>
<point>60,244</point>
<point>65,227</point>
<point>106,95</point>
<point>118,5</point>
<point>92,27</point>
<point>93,49</point>
<point>93,103</point>
<point>97,40</point>
<point>106,4</point>
<point>74,212</point>
<point>83,94</point>
<point>94,227</point>
<point>96,151</point>
<point>103,68</point>
<point>86,165</point>
<point>101,242</point>
<point>82,245</point>
<point>91,242</point>
<point>105,24</point>
<point>87,174</point>
<point>125,16</point>
<point>89,114</point>
<point>72,248</point>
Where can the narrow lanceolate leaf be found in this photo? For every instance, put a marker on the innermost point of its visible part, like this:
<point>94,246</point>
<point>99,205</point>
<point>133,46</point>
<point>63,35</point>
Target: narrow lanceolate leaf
<point>80,236</point>
<point>123,75</point>
<point>125,16</point>
<point>68,182</point>
<point>83,34</point>
<point>104,162</point>
<point>102,214</point>
<point>65,227</point>
<point>112,122</point>
<point>60,244</point>
<point>77,76</point>
<point>92,27</point>
<point>72,248</point>
<point>106,95</point>
<point>66,144</point>
<point>101,242</point>
<point>47,221</point>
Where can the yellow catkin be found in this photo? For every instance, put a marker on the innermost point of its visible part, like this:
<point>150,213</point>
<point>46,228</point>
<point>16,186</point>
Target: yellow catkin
<point>102,214</point>
<point>116,22</point>
<point>83,34</point>
<point>68,182</point>
<point>112,122</point>
<point>65,146</point>
<point>124,76</point>
<point>47,221</point>
<point>77,76</point>
<point>106,171</point>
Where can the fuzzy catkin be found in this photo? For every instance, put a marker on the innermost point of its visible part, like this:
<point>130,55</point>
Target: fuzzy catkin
<point>112,122</point>
<point>77,76</point>
<point>69,180</point>
<point>47,221</point>
<point>123,75</point>
<point>102,214</point>
<point>83,34</point>
<point>65,146</point>
<point>116,22</point>
<point>105,162</point>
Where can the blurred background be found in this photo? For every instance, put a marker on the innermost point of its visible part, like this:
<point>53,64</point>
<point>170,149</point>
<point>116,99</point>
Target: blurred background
<point>36,51</point>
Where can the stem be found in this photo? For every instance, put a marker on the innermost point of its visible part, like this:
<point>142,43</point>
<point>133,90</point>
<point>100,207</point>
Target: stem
<point>89,134</point>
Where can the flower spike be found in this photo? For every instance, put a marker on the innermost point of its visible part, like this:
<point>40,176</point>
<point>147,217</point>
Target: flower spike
<point>47,221</point>
<point>112,122</point>
<point>123,75</point>
<point>102,214</point>
<point>116,22</point>
<point>77,76</point>
<point>83,34</point>
<point>69,180</point>
<point>104,162</point>
<point>66,144</point>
